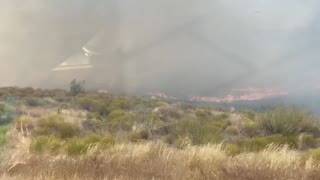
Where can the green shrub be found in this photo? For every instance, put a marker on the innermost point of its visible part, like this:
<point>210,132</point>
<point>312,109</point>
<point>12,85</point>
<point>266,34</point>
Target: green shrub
<point>307,141</point>
<point>203,114</point>
<point>92,139</point>
<point>93,125</point>
<point>250,129</point>
<point>182,142</point>
<point>93,105</point>
<point>139,135</point>
<point>6,114</point>
<point>121,120</point>
<point>33,101</point>
<point>119,104</point>
<point>232,130</point>
<point>75,147</point>
<point>43,144</point>
<point>64,106</point>
<point>67,130</point>
<point>107,141</point>
<point>4,129</point>
<point>3,140</point>
<point>314,154</point>
<point>54,125</point>
<point>287,121</point>
<point>199,132</point>
<point>38,145</point>
<point>260,143</point>
<point>232,149</point>
<point>221,123</point>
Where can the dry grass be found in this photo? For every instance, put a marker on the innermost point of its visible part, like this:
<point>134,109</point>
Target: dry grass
<point>157,161</point>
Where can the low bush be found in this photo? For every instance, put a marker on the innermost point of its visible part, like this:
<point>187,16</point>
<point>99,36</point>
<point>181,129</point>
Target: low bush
<point>287,121</point>
<point>119,104</point>
<point>250,129</point>
<point>3,140</point>
<point>199,132</point>
<point>203,113</point>
<point>3,131</point>
<point>33,101</point>
<point>121,120</point>
<point>260,143</point>
<point>139,135</point>
<point>307,141</point>
<point>93,105</point>
<point>232,149</point>
<point>232,130</point>
<point>314,154</point>
<point>54,125</point>
<point>6,114</point>
<point>43,144</point>
<point>75,147</point>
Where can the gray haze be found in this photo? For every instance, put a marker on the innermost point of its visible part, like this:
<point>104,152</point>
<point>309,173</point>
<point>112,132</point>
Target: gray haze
<point>181,47</point>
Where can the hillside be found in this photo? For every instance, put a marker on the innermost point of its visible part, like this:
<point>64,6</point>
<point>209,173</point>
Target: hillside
<point>55,134</point>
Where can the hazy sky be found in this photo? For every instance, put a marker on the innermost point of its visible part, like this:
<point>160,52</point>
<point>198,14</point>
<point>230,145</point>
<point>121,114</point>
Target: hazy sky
<point>187,47</point>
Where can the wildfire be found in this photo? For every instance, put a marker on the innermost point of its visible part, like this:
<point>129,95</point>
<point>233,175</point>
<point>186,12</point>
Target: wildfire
<point>251,94</point>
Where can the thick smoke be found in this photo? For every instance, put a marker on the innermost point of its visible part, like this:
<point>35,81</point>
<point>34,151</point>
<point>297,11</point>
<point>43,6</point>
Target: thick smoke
<point>183,48</point>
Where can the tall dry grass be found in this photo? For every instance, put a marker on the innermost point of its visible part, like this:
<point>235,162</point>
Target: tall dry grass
<point>157,161</point>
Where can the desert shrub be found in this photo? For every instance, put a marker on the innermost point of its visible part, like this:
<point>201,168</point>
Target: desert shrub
<point>60,96</point>
<point>33,101</point>
<point>36,112</point>
<point>232,130</point>
<point>250,114</point>
<point>121,120</point>
<point>91,139</point>
<point>314,154</point>
<point>232,149</point>
<point>182,142</point>
<point>75,147</point>
<point>307,141</point>
<point>3,131</point>
<point>203,113</point>
<point>64,106</point>
<point>119,104</point>
<point>39,144</point>
<point>3,140</point>
<point>23,120</point>
<point>54,125</point>
<point>250,129</point>
<point>94,115</point>
<point>93,125</point>
<point>23,123</point>
<point>43,144</point>
<point>139,135</point>
<point>287,121</point>
<point>67,130</point>
<point>6,114</point>
<point>165,113</point>
<point>222,123</point>
<point>93,105</point>
<point>107,141</point>
<point>260,143</point>
<point>199,132</point>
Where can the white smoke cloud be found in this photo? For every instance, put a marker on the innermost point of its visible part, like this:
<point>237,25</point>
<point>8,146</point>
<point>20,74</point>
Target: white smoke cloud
<point>195,47</point>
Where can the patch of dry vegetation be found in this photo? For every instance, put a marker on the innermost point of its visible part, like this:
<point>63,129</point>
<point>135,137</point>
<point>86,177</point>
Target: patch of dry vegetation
<point>158,161</point>
<point>58,135</point>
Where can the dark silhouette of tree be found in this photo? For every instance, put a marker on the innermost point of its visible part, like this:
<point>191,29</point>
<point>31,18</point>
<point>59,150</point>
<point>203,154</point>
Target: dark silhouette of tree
<point>77,87</point>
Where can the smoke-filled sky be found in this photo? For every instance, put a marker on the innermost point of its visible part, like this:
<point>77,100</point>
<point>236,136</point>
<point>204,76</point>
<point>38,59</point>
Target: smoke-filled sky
<point>181,47</point>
